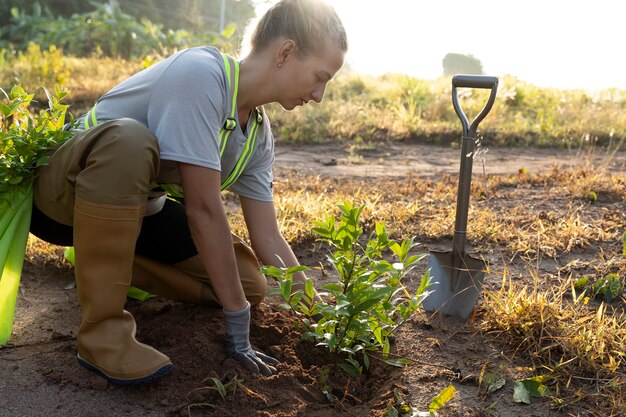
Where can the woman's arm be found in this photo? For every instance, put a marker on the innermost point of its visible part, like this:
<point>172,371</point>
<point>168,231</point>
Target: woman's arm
<point>211,234</point>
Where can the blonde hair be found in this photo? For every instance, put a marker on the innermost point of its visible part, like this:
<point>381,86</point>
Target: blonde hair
<point>307,22</point>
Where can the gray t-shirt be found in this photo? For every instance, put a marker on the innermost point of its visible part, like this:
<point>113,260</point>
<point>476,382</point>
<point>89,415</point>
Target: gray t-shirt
<point>185,100</point>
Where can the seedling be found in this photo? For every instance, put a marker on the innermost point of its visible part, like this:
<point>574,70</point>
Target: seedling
<point>400,407</point>
<point>609,287</point>
<point>24,139</point>
<point>526,389</point>
<point>223,390</point>
<point>358,313</point>
<point>490,382</point>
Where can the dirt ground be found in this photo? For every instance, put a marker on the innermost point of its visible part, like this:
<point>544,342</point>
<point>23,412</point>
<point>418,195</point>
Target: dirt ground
<point>39,375</point>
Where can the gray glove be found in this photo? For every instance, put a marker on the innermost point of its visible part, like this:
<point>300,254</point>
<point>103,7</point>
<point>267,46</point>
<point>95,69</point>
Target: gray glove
<point>238,343</point>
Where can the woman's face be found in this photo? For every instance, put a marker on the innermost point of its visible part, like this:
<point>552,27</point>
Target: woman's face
<point>305,79</point>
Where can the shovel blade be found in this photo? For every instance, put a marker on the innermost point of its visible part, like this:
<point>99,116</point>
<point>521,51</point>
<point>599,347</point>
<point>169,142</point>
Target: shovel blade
<point>454,291</point>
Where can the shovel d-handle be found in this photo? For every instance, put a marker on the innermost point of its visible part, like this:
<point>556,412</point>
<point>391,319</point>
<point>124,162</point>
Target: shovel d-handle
<point>473,81</point>
<point>467,151</point>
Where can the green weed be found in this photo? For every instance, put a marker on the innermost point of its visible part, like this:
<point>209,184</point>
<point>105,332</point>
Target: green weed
<point>400,407</point>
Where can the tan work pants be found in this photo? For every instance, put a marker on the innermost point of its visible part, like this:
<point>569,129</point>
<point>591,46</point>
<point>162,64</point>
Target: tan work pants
<point>115,163</point>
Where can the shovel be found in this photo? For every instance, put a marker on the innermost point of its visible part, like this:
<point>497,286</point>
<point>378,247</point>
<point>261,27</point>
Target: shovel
<point>457,277</point>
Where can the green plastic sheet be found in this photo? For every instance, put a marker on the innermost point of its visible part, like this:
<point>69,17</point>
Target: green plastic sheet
<point>15,212</point>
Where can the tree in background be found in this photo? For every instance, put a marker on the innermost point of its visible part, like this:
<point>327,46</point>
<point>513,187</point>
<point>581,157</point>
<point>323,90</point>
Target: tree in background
<point>119,27</point>
<point>461,64</point>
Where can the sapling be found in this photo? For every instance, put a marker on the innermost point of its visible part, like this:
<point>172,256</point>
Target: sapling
<point>25,138</point>
<point>359,312</point>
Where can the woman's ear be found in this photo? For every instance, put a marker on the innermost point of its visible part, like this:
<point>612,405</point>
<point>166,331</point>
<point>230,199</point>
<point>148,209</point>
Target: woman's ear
<point>286,48</point>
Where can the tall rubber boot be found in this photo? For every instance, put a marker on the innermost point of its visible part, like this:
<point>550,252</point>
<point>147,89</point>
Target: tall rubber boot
<point>168,281</point>
<point>253,282</point>
<point>104,241</point>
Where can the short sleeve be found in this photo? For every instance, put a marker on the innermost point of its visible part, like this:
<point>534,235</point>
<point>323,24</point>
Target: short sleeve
<point>187,109</point>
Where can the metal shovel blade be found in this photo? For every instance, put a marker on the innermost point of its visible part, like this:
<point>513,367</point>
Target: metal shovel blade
<point>454,290</point>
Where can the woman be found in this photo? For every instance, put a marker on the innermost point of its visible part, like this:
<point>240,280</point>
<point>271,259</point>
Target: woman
<point>191,125</point>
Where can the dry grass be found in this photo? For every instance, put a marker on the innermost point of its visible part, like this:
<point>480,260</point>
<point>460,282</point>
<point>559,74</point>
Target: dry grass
<point>521,218</point>
<point>579,346</point>
<point>357,107</point>
<point>523,215</point>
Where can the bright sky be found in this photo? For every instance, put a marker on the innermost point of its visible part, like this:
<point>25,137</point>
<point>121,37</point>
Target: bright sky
<point>549,43</point>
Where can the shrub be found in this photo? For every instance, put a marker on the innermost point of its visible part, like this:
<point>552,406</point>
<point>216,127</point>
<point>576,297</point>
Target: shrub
<point>361,311</point>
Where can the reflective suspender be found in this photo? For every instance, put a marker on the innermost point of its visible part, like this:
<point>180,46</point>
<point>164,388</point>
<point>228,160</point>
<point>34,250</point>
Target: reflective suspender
<point>232,75</point>
<point>91,117</point>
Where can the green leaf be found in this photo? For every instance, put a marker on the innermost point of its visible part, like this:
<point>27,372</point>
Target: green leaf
<point>365,305</point>
<point>352,367</point>
<point>581,283</point>
<point>531,387</point>
<point>333,288</point>
<point>493,382</point>
<point>285,288</point>
<point>442,398</point>
<point>219,387</point>
<point>295,269</point>
<point>520,393</point>
<point>308,288</point>
<point>272,271</point>
<point>330,340</point>
<point>42,161</point>
<point>378,334</point>
<point>396,248</point>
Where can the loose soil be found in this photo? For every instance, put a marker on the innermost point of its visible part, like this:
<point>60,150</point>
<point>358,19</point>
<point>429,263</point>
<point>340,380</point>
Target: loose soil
<point>40,375</point>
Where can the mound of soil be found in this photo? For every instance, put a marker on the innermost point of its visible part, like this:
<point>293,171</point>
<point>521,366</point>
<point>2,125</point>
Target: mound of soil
<point>42,378</point>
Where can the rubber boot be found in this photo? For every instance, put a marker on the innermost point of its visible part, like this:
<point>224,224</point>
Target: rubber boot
<point>253,282</point>
<point>104,240</point>
<point>168,281</point>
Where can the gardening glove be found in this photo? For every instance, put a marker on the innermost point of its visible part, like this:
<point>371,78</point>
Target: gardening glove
<point>238,343</point>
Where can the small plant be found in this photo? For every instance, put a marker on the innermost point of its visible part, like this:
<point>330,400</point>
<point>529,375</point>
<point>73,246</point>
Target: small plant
<point>366,305</point>
<point>400,407</point>
<point>591,196</point>
<point>223,390</point>
<point>526,389</point>
<point>609,287</point>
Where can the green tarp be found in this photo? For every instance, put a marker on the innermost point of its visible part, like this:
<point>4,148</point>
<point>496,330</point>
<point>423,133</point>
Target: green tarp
<point>15,212</point>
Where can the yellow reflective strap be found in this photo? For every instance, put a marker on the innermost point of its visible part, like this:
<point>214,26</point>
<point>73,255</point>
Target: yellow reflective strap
<point>235,90</point>
<point>244,158</point>
<point>94,120</point>
<point>227,66</point>
<point>232,75</point>
<point>232,72</point>
<point>91,117</point>
<point>224,134</point>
